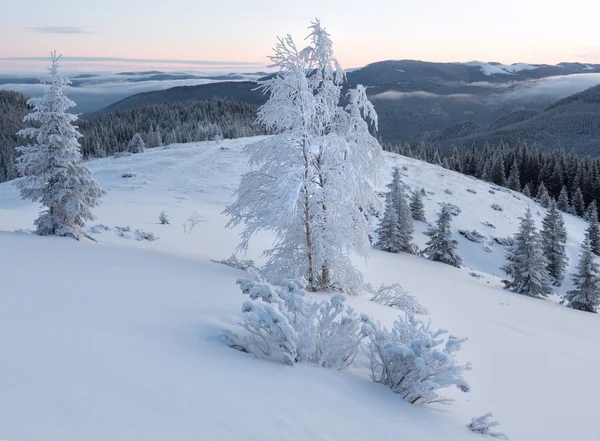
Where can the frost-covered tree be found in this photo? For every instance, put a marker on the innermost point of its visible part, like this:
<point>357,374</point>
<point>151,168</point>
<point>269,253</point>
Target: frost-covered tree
<point>514,180</point>
<point>51,166</point>
<point>526,263</point>
<point>441,247</point>
<point>554,239</point>
<point>137,144</point>
<point>593,233</point>
<point>592,208</point>
<point>403,212</point>
<point>578,202</point>
<point>314,179</point>
<point>527,190</point>
<point>163,218</point>
<point>585,295</point>
<point>563,200</point>
<point>390,239</point>
<point>417,208</point>
<point>542,196</point>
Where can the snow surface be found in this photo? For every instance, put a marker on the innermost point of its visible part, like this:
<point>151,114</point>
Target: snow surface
<point>121,340</point>
<point>501,69</point>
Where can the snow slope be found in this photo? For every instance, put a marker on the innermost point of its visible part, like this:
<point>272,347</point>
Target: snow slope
<point>120,340</point>
<point>501,69</point>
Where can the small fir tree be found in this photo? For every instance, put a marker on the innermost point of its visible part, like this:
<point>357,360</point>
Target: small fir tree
<point>542,196</point>
<point>441,247</point>
<point>390,239</point>
<point>563,200</point>
<point>417,208</point>
<point>578,202</point>
<point>514,180</point>
<point>137,144</point>
<point>593,233</point>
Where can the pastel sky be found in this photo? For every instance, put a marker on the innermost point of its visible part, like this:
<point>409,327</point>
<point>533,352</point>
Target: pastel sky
<point>241,33</point>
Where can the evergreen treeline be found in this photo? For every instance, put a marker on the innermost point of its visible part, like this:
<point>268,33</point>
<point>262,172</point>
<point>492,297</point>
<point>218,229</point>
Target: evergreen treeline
<point>571,180</point>
<point>158,124</point>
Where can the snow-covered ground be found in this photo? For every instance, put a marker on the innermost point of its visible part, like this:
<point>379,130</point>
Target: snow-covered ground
<point>501,69</point>
<point>121,340</point>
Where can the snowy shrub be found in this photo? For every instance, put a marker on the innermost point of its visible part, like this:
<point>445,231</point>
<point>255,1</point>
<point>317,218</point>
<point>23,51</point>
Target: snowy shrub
<point>483,424</point>
<point>470,190</point>
<point>128,175</point>
<point>163,218</point>
<point>234,262</point>
<point>497,207</point>
<point>124,231</point>
<point>447,191</point>
<point>122,154</point>
<point>282,323</point>
<point>473,235</point>
<point>413,360</point>
<point>454,210</point>
<point>487,224</point>
<point>395,296</point>
<point>194,219</point>
<point>475,275</point>
<point>145,235</point>
<point>492,192</point>
<point>504,241</point>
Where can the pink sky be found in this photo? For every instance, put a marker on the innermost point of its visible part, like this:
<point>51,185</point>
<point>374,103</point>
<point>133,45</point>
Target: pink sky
<point>534,31</point>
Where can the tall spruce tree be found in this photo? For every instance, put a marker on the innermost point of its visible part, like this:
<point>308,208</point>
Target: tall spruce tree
<point>526,263</point>
<point>593,233</point>
<point>514,180</point>
<point>585,295</point>
<point>53,172</point>
<point>389,237</point>
<point>563,200</point>
<point>403,211</point>
<point>554,239</point>
<point>441,247</point>
<point>417,208</point>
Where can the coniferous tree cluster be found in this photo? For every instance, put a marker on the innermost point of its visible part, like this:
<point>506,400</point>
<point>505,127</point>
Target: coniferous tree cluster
<point>571,180</point>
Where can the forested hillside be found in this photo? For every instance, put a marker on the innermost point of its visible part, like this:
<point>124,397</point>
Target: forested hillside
<point>158,124</point>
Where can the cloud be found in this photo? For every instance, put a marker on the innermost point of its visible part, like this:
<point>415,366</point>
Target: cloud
<point>57,29</point>
<point>395,95</point>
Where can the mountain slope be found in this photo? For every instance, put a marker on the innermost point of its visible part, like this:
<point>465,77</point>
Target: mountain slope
<point>573,122</point>
<point>121,340</point>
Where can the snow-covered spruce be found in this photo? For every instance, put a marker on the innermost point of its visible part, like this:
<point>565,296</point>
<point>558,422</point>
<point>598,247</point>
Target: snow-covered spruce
<point>592,231</point>
<point>585,296</point>
<point>413,360</point>
<point>395,231</point>
<point>526,264</point>
<point>542,196</point>
<point>441,247</point>
<point>281,323</point>
<point>395,296</point>
<point>417,208</point>
<point>313,181</point>
<point>554,239</point>
<point>483,424</point>
<point>51,165</point>
<point>137,144</point>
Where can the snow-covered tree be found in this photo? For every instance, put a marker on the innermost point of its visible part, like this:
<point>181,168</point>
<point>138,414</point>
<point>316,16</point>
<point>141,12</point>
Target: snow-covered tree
<point>390,239</point>
<point>399,203</point>
<point>51,166</point>
<point>554,239</point>
<point>441,247</point>
<point>314,179</point>
<point>592,208</point>
<point>413,360</point>
<point>578,202</point>
<point>585,296</point>
<point>417,208</point>
<point>542,196</point>
<point>563,200</point>
<point>514,180</point>
<point>163,218</point>
<point>527,190</point>
<point>526,263</point>
<point>593,233</point>
<point>137,144</point>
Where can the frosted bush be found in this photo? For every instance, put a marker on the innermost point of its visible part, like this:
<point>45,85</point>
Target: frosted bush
<point>483,424</point>
<point>413,360</point>
<point>282,323</point>
<point>395,296</point>
<point>234,262</point>
<point>163,218</point>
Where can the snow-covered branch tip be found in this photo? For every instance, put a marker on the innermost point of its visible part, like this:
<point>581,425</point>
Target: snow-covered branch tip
<point>484,424</point>
<point>395,296</point>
